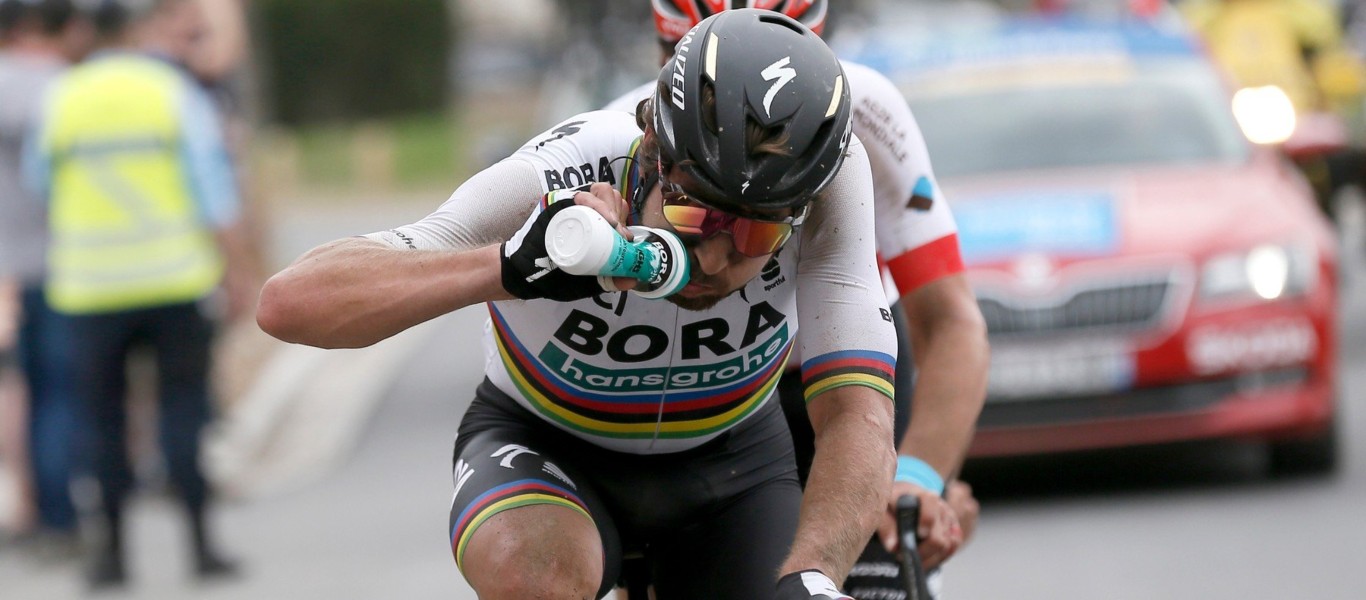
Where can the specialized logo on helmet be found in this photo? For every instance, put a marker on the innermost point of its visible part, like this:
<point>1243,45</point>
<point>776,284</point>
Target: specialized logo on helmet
<point>680,65</point>
<point>783,75</point>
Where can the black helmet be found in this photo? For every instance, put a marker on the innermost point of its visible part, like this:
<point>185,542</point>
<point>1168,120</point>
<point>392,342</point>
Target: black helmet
<point>767,69</point>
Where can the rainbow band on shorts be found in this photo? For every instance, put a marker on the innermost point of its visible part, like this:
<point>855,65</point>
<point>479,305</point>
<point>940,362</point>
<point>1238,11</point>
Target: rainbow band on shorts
<point>525,492</point>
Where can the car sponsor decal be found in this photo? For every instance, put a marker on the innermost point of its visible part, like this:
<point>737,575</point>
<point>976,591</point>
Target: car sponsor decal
<point>1075,224</point>
<point>1250,346</point>
<point>1047,370</point>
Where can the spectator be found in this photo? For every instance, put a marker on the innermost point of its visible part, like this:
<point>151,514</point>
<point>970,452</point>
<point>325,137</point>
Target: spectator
<point>41,38</point>
<point>1297,46</point>
<point>144,215</point>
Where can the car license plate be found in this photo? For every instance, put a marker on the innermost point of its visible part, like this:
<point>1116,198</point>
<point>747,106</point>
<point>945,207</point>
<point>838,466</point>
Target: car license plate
<point>1041,371</point>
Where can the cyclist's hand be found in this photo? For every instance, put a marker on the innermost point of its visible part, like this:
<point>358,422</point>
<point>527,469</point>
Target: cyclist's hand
<point>527,271</point>
<point>939,532</point>
<point>809,585</point>
<point>965,507</point>
<point>605,199</point>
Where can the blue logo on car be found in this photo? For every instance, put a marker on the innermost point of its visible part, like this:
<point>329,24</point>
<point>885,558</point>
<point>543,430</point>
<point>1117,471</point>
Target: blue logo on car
<point>1062,224</point>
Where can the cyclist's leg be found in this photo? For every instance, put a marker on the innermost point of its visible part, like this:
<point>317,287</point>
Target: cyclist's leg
<point>733,554</point>
<point>523,523</point>
<point>744,497</point>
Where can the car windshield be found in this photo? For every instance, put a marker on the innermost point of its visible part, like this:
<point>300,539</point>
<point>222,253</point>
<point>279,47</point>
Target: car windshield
<point>1163,112</point>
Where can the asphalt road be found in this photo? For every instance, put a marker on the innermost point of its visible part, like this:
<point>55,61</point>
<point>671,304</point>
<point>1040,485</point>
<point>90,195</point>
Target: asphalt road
<point>1198,521</point>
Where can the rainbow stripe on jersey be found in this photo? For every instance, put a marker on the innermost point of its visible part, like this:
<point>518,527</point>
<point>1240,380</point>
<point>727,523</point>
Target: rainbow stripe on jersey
<point>682,401</point>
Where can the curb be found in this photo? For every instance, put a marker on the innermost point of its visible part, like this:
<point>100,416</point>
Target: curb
<point>302,415</point>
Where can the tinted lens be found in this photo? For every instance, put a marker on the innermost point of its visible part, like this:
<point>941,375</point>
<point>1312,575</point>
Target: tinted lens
<point>757,238</point>
<point>689,216</point>
<point>751,237</point>
<point>687,220</point>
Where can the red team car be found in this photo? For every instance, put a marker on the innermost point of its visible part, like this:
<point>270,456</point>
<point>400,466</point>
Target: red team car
<point>1147,274</point>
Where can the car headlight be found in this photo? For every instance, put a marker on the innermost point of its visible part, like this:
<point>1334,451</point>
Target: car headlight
<point>1265,114</point>
<point>1267,271</point>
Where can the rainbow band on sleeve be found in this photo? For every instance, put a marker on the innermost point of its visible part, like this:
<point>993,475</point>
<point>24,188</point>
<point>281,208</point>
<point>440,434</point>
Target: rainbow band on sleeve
<point>851,367</point>
<point>525,492</point>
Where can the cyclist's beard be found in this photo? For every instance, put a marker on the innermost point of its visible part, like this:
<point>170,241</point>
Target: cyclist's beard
<point>698,303</point>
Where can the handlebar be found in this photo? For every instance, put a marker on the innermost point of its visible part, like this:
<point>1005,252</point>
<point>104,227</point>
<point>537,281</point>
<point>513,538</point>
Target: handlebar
<point>912,570</point>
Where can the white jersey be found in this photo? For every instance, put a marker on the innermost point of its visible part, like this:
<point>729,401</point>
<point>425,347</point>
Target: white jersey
<point>644,376</point>
<point>916,233</point>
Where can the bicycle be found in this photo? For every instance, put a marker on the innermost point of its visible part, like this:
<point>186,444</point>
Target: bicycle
<point>637,579</point>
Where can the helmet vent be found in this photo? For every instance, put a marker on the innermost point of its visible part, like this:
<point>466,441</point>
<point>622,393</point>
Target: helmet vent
<point>708,107</point>
<point>776,19</point>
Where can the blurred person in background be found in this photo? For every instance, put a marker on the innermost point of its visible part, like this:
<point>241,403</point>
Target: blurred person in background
<point>14,473</point>
<point>222,47</point>
<point>1297,47</point>
<point>41,38</point>
<point>145,250</point>
<point>943,355</point>
<point>220,58</point>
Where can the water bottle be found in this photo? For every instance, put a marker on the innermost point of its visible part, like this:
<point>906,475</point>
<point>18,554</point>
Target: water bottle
<point>580,242</point>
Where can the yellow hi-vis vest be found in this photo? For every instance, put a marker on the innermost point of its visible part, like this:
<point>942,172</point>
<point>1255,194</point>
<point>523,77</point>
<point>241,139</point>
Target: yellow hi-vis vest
<point>126,233</point>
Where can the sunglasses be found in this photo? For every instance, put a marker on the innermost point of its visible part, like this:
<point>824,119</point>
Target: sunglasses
<point>694,218</point>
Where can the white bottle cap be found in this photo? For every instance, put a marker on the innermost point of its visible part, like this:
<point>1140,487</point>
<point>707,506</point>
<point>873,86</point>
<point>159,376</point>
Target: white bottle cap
<point>579,240</point>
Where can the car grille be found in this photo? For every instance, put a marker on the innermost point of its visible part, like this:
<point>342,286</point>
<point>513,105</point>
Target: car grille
<point>1176,398</point>
<point>1098,306</point>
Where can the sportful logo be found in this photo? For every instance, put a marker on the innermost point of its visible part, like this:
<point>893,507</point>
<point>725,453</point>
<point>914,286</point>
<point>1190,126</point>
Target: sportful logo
<point>783,74</point>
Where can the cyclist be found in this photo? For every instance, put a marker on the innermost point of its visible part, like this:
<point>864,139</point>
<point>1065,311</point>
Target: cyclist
<point>943,335</point>
<point>609,421</point>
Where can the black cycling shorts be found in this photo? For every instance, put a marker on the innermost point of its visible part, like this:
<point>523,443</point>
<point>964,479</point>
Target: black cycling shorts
<point>713,522</point>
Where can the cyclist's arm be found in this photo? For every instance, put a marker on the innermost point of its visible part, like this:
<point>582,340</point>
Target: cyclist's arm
<point>948,340</point>
<point>356,291</point>
<point>917,235</point>
<point>846,490</point>
<point>849,343</point>
<point>948,337</point>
